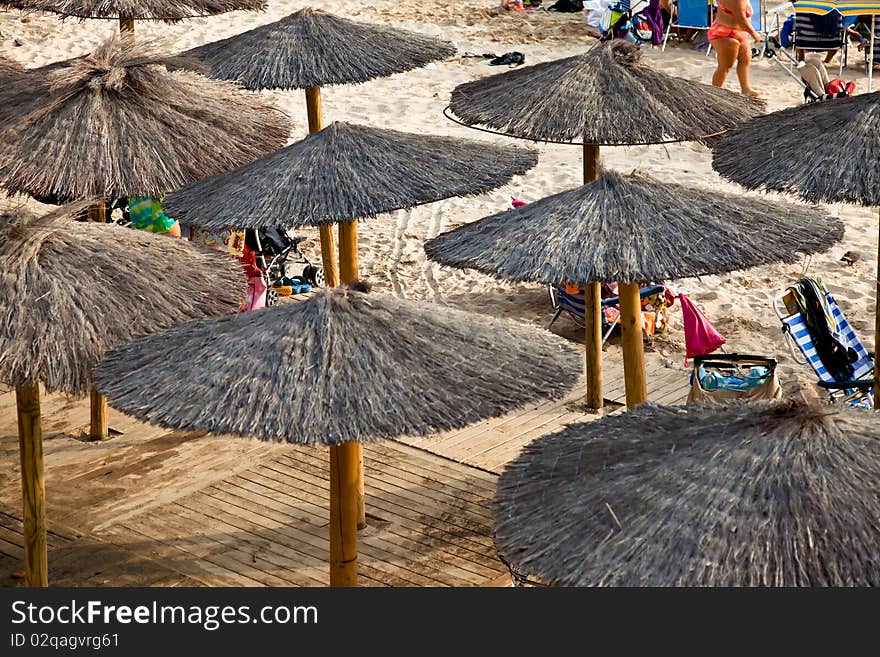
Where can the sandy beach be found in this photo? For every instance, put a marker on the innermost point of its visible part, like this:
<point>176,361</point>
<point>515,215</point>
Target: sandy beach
<point>391,254</point>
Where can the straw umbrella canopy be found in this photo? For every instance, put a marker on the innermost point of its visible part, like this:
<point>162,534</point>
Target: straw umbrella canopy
<point>607,96</point>
<point>618,229</point>
<point>117,123</point>
<point>310,49</point>
<point>822,152</point>
<point>376,366</point>
<point>9,67</point>
<point>348,172</point>
<point>127,11</point>
<point>604,97</point>
<point>58,322</point>
<point>752,494</point>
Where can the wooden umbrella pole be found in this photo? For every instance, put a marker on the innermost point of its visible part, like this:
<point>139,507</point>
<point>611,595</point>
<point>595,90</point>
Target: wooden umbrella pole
<point>98,429</point>
<point>877,331</point>
<point>126,25</point>
<point>33,489</point>
<point>633,348</point>
<point>593,305</point>
<point>348,270</point>
<point>328,248</point>
<point>343,514</point>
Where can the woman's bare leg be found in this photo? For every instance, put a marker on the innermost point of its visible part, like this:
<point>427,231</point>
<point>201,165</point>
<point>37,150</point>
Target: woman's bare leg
<point>726,51</point>
<point>743,61</point>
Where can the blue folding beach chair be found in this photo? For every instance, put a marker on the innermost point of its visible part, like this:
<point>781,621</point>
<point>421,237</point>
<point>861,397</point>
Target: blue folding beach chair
<point>689,15</point>
<point>573,305</point>
<point>854,391</point>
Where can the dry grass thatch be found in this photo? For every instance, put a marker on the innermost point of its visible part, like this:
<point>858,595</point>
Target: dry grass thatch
<point>755,494</point>
<point>9,67</point>
<point>26,87</point>
<point>164,10</point>
<point>117,123</point>
<point>635,229</point>
<point>312,48</point>
<point>348,172</point>
<point>605,96</point>
<point>823,152</point>
<point>71,289</point>
<point>342,366</point>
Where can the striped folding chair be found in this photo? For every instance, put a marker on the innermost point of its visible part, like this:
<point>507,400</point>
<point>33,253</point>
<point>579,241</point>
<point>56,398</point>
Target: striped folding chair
<point>857,391</point>
<point>573,304</point>
<point>566,302</point>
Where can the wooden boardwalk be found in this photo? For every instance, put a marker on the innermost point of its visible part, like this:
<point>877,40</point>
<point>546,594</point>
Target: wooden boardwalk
<point>151,507</point>
<point>492,443</point>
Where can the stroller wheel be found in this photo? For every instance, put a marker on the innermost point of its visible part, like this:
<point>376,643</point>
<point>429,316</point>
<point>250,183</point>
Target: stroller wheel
<point>314,275</point>
<point>271,297</point>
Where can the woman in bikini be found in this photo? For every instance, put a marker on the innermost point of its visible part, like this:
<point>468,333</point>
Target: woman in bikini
<point>729,35</point>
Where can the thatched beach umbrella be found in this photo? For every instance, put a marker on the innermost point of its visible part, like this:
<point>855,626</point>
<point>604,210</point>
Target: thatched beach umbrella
<point>377,367</point>
<point>823,152</point>
<point>57,321</point>
<point>9,67</point>
<point>753,494</point>
<point>127,11</point>
<point>344,173</point>
<point>310,49</point>
<point>619,229</point>
<point>606,96</point>
<point>117,124</point>
<point>348,172</point>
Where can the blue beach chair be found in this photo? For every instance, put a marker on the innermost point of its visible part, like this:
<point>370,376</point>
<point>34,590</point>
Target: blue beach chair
<point>855,391</point>
<point>690,15</point>
<point>573,305</point>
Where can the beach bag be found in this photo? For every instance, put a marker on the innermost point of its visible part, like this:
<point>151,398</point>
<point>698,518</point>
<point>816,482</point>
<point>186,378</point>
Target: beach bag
<point>733,377</point>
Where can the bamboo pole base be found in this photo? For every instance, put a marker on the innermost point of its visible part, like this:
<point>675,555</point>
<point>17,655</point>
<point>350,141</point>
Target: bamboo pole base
<point>633,347</point>
<point>343,514</point>
<point>348,272</point>
<point>593,306</point>
<point>877,329</point>
<point>328,256</point>
<point>593,343</point>
<point>98,426</point>
<point>33,489</point>
<point>328,246</point>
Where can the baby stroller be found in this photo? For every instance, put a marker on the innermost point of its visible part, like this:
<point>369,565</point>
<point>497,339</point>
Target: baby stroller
<point>812,74</point>
<point>620,22</point>
<point>276,252</point>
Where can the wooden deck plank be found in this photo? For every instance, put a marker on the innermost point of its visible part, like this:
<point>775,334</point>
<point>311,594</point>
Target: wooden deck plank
<point>391,540</point>
<point>249,524</point>
<point>410,521</point>
<point>401,510</point>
